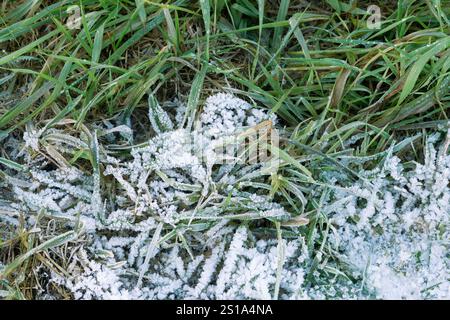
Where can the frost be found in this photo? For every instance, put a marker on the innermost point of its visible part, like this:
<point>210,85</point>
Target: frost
<point>397,241</point>
<point>236,268</point>
<point>167,221</point>
<point>224,114</point>
<point>31,139</point>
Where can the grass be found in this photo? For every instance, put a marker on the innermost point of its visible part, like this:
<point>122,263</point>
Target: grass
<point>316,65</point>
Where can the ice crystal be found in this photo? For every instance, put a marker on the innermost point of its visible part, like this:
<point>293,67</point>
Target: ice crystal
<point>206,276</point>
<point>393,233</point>
<point>225,114</point>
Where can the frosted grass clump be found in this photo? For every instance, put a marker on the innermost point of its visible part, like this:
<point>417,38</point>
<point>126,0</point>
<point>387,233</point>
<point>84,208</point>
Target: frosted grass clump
<point>225,114</point>
<point>235,267</point>
<point>393,232</point>
<point>169,182</point>
<point>63,193</point>
<point>251,272</point>
<point>165,181</point>
<point>99,282</point>
<point>167,222</point>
